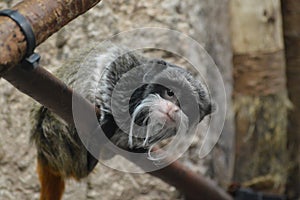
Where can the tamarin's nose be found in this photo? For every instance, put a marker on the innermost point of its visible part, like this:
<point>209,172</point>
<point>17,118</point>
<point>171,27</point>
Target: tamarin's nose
<point>172,108</point>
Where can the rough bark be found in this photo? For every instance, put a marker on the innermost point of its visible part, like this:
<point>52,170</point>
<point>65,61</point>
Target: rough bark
<point>260,97</point>
<point>291,18</point>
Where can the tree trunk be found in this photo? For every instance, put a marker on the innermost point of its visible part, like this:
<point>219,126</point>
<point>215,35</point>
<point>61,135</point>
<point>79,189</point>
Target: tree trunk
<point>291,18</point>
<point>260,97</point>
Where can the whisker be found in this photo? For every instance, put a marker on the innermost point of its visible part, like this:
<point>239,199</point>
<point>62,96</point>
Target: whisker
<point>130,133</point>
<point>177,143</point>
<point>146,138</point>
<point>137,111</point>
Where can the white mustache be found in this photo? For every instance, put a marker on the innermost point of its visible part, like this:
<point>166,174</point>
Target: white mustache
<point>145,105</point>
<point>157,130</point>
<point>175,146</point>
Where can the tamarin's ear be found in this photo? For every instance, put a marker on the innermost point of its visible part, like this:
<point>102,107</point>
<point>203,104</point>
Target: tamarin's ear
<point>155,67</point>
<point>207,108</point>
<point>211,108</point>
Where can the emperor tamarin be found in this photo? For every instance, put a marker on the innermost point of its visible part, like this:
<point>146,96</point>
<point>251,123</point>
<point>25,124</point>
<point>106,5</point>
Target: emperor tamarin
<point>131,91</point>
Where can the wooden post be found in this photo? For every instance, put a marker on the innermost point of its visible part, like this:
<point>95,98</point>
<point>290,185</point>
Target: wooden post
<point>260,98</point>
<point>291,19</point>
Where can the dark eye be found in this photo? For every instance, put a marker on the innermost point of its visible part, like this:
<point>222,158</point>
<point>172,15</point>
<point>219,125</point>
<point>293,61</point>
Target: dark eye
<point>169,93</point>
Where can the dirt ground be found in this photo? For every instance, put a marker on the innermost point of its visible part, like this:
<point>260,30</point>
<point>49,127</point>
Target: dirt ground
<point>18,178</point>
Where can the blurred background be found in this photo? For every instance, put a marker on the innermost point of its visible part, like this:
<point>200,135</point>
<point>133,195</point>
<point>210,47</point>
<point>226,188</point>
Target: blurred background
<point>256,46</point>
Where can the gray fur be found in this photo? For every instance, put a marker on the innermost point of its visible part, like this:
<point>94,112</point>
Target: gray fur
<point>58,144</point>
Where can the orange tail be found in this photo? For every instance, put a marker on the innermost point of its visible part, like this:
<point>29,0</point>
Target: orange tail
<point>52,185</point>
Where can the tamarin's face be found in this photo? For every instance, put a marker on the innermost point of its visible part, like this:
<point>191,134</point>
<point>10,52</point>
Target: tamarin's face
<point>156,101</point>
<point>171,101</point>
<point>165,105</point>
